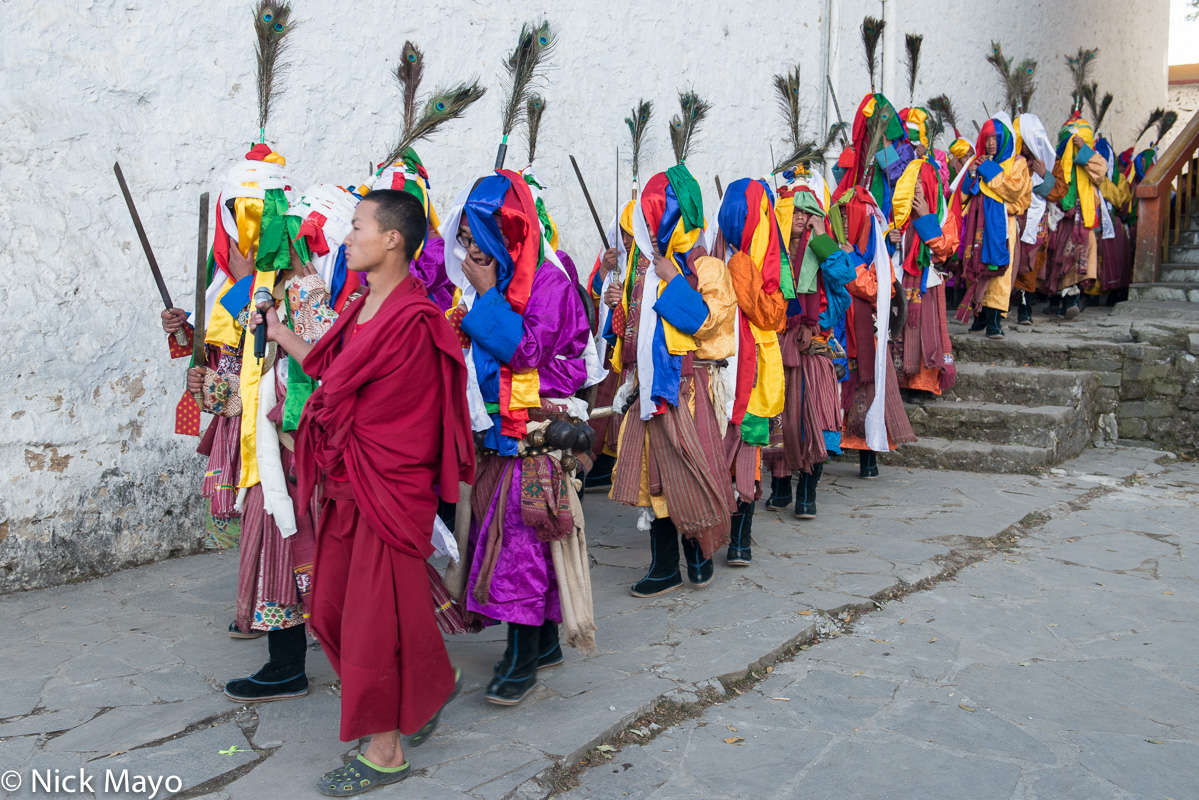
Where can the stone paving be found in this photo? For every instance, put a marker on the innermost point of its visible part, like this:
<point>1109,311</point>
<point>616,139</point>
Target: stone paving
<point>1063,669</point>
<point>124,672</point>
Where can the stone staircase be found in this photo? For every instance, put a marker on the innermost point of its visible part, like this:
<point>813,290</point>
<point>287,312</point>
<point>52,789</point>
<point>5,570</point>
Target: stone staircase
<point>1179,276</point>
<point>1003,418</point>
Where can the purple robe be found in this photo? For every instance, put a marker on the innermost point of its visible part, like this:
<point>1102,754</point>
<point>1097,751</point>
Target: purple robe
<point>429,268</point>
<point>523,588</point>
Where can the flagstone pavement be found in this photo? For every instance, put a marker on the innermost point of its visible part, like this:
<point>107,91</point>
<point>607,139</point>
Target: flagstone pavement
<point>1008,636</point>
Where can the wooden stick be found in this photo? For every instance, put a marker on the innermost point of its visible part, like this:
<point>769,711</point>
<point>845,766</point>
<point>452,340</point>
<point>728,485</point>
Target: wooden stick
<point>586,194</point>
<point>180,336</point>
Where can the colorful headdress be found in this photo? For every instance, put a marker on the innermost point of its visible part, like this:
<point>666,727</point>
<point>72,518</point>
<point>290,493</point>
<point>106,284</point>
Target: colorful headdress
<point>750,228</point>
<point>1080,190</point>
<point>325,214</point>
<point>916,122</point>
<point>875,120</point>
<point>406,173</point>
<point>669,218</point>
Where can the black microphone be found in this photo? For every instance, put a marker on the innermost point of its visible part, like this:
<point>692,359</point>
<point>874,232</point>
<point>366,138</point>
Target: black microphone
<point>262,296</point>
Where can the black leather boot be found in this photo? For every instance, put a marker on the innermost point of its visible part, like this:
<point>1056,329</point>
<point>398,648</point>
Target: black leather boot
<point>805,504</point>
<point>282,677</point>
<point>740,537</point>
<point>817,471</point>
<point>699,569</point>
<point>802,487</point>
<point>994,323</point>
<point>1024,311</point>
<point>550,653</point>
<point>516,674</point>
<point>663,575</point>
<point>867,464</point>
<point>780,494</point>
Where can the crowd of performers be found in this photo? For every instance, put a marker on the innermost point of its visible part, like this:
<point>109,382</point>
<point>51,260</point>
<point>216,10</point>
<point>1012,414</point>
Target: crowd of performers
<point>452,385</point>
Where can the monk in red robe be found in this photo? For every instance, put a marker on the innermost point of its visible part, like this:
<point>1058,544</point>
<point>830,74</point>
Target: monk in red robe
<point>388,422</point>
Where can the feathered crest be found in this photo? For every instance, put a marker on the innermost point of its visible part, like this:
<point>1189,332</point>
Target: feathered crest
<point>1165,124</point>
<point>811,151</point>
<point>272,24</point>
<point>684,127</point>
<point>1080,67</point>
<point>941,106</point>
<point>638,123</point>
<point>912,42</point>
<point>408,74</point>
<point>872,31</point>
<point>523,66</point>
<point>534,110</point>
<point>1098,107</point>
<point>1025,75</point>
<point>787,87</point>
<point>1007,77</point>
<point>1155,117</point>
<point>935,127</point>
<point>443,106</point>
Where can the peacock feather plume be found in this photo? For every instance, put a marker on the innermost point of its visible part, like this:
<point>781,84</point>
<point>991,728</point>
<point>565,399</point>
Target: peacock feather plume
<point>1080,68</point>
<point>1025,78</point>
<point>408,74</point>
<point>912,43</point>
<point>787,88</point>
<point>1155,117</point>
<point>684,126</point>
<point>809,151</point>
<point>872,32</point>
<point>524,66</point>
<point>443,106</point>
<point>272,24</point>
<point>1098,107</point>
<point>1165,124</point>
<point>941,106</point>
<point>638,124</point>
<point>533,110</point>
<point>1007,77</point>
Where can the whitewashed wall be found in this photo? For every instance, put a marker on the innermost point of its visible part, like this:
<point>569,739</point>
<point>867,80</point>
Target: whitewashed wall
<point>94,478</point>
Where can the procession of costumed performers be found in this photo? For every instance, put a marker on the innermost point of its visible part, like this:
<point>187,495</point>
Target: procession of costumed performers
<point>696,355</point>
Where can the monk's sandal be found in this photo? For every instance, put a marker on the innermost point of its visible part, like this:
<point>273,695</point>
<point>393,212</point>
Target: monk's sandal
<point>359,776</point>
<point>430,727</point>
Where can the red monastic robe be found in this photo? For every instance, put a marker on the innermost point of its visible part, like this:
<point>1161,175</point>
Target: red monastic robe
<point>388,423</point>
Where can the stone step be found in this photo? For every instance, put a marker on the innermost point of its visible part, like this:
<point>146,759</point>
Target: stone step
<point>1183,252</point>
<point>1180,272</point>
<point>1024,386</point>
<point>1060,348</point>
<point>1053,428</point>
<point>1185,292</point>
<point>936,453</point>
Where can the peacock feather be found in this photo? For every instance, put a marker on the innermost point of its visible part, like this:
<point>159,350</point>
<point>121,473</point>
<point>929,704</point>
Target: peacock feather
<point>684,126</point>
<point>872,31</point>
<point>638,123</point>
<point>272,24</point>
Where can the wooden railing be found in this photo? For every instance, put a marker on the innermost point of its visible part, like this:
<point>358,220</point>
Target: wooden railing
<point>1167,197</point>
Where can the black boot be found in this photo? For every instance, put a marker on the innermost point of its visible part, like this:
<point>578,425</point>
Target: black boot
<point>699,568</point>
<point>1070,308</point>
<point>805,505</point>
<point>516,674</point>
<point>867,464</point>
<point>994,323</point>
<point>599,477</point>
<point>802,489</point>
<point>780,494</point>
<point>740,536</point>
<point>1024,313</point>
<point>282,677</point>
<point>980,322</point>
<point>550,652</point>
<point>663,575</point>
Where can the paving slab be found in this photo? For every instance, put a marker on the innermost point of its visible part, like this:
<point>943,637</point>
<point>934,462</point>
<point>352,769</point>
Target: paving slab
<point>1021,678</point>
<point>148,647</point>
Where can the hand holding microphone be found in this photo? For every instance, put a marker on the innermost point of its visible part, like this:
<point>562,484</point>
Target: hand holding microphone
<point>263,301</point>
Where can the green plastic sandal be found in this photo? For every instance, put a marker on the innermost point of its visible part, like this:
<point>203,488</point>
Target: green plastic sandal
<point>359,776</point>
